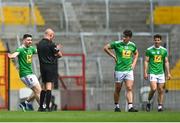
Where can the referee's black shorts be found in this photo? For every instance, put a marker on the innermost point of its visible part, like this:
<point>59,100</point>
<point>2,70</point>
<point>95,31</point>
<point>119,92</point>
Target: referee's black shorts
<point>49,73</point>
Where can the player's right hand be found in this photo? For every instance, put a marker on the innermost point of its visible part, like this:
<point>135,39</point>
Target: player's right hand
<point>145,76</point>
<point>9,55</point>
<point>115,59</point>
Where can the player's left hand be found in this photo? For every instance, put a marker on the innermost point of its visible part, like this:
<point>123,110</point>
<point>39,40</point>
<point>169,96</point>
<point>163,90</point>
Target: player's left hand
<point>133,66</point>
<point>168,77</point>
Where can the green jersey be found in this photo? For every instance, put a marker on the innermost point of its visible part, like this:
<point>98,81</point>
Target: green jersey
<point>156,59</point>
<point>124,54</point>
<point>25,60</point>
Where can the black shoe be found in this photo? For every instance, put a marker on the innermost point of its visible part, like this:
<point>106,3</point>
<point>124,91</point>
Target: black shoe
<point>160,110</point>
<point>148,107</point>
<point>40,109</point>
<point>23,106</point>
<point>117,109</point>
<point>132,110</point>
<point>30,107</point>
<point>48,110</point>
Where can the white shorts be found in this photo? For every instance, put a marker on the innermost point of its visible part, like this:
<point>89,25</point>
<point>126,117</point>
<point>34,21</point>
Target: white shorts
<point>122,76</point>
<point>159,78</point>
<point>30,80</point>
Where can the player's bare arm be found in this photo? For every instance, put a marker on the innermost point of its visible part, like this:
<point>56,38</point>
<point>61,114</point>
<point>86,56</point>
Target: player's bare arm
<point>135,59</point>
<point>107,49</point>
<point>168,76</point>
<point>145,67</point>
<point>13,55</point>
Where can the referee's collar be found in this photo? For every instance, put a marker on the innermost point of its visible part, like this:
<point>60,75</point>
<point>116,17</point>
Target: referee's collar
<point>47,39</point>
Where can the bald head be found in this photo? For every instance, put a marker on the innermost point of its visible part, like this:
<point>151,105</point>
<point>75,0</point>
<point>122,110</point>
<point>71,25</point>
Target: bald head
<point>49,34</point>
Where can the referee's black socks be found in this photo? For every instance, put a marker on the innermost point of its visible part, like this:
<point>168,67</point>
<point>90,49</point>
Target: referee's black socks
<point>42,98</point>
<point>48,98</point>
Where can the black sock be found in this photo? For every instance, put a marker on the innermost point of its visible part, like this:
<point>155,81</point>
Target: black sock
<point>48,98</point>
<point>42,97</point>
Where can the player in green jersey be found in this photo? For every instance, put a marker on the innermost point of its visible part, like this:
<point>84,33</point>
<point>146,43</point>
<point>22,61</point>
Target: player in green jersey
<point>125,57</point>
<point>156,57</point>
<point>24,54</point>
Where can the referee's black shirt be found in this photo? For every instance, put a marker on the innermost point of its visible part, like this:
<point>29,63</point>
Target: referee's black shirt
<point>46,52</point>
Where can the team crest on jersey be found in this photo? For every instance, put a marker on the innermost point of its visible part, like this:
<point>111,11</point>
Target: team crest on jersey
<point>157,58</point>
<point>29,58</point>
<point>126,53</point>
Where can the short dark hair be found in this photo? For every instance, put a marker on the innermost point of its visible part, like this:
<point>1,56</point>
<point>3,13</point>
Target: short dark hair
<point>157,36</point>
<point>26,36</point>
<point>127,33</point>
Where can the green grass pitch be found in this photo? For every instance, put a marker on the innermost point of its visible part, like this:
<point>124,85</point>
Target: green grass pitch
<point>89,116</point>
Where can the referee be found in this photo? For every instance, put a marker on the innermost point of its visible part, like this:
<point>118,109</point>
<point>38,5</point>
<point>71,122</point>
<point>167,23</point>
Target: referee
<point>48,54</point>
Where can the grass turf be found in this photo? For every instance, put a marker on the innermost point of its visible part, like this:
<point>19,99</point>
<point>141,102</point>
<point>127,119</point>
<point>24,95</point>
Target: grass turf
<point>88,116</point>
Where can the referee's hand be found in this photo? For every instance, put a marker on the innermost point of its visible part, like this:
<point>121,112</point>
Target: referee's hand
<point>59,46</point>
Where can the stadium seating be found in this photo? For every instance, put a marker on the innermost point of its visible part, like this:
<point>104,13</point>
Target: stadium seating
<point>20,15</point>
<point>167,15</point>
<point>90,16</point>
<point>2,73</point>
<point>52,12</point>
<point>15,80</point>
<point>174,83</point>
